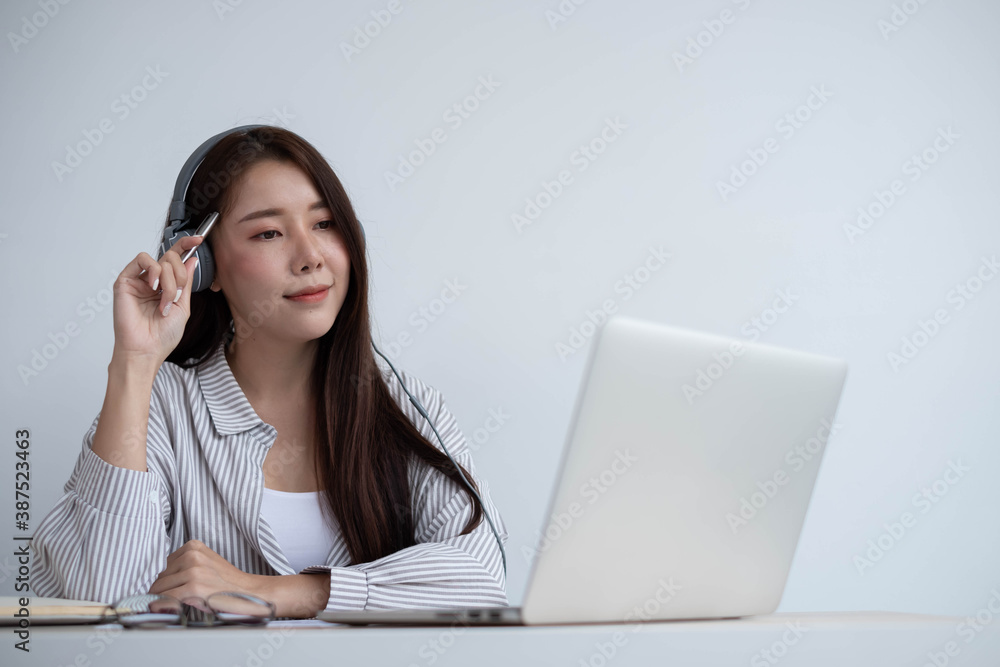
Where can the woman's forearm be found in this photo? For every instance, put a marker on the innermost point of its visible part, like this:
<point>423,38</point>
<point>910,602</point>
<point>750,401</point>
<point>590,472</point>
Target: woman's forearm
<point>120,438</point>
<point>294,595</point>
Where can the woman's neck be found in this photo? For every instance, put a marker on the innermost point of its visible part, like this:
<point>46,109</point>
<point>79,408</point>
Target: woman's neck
<point>272,372</point>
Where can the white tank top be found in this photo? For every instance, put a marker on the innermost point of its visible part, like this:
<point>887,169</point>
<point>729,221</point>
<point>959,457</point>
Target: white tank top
<point>298,524</point>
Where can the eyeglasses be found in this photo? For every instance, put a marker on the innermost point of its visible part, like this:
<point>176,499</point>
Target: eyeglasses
<point>157,611</point>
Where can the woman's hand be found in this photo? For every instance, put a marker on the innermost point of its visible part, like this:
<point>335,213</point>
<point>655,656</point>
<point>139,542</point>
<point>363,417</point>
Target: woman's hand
<point>149,324</point>
<point>195,570</point>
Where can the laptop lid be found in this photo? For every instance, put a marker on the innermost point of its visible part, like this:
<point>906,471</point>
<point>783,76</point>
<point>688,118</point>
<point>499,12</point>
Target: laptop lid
<point>685,477</point>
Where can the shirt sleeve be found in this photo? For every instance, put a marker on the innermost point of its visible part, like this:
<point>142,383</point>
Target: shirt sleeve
<point>444,569</point>
<point>106,537</point>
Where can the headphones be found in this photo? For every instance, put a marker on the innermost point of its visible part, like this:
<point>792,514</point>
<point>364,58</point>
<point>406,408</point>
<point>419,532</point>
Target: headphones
<point>181,224</point>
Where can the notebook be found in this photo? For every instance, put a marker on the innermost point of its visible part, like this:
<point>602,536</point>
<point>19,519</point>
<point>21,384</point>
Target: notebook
<point>49,611</point>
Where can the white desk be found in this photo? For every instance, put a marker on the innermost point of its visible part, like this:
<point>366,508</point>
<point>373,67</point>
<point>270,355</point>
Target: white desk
<point>818,640</point>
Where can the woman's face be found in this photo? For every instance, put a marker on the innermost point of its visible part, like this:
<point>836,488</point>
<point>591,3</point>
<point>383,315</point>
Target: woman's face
<point>278,240</point>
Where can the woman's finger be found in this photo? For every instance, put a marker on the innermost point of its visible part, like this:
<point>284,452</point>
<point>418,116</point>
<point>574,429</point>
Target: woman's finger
<point>168,284</point>
<point>190,266</point>
<point>185,243</point>
<point>167,582</point>
<point>181,246</point>
<point>180,273</point>
<point>144,268</point>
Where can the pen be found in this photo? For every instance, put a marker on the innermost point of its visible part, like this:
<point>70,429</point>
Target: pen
<point>202,230</point>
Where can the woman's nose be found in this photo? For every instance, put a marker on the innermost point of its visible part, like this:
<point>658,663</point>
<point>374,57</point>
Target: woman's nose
<point>307,251</point>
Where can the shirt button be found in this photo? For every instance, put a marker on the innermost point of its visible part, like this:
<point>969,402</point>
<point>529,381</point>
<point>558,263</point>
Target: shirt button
<point>153,497</point>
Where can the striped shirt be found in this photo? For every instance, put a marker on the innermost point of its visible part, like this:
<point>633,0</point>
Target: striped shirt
<point>109,535</point>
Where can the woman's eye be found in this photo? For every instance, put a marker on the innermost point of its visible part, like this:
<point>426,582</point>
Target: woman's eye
<point>328,225</point>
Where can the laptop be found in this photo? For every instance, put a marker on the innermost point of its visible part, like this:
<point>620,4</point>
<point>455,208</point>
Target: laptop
<point>683,485</point>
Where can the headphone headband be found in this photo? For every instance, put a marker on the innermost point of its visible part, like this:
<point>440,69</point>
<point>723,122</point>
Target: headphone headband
<point>178,209</point>
<point>179,223</point>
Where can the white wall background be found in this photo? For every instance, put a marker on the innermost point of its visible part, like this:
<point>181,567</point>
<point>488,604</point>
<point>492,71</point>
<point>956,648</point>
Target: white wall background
<point>65,237</point>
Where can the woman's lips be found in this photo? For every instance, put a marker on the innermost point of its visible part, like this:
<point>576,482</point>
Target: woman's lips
<point>310,298</point>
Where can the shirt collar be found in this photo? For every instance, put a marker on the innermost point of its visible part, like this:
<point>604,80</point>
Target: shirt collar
<point>231,411</point>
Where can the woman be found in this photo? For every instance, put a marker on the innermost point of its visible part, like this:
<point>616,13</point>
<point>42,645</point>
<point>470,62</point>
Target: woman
<point>248,442</point>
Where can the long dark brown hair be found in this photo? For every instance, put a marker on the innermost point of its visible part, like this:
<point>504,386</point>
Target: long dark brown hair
<point>364,441</point>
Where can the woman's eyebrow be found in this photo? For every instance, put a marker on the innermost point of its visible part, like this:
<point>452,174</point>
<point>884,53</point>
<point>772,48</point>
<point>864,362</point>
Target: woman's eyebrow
<point>272,212</point>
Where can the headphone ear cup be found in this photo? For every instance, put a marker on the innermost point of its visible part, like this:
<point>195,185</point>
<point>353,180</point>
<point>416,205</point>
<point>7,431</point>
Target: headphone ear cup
<point>204,272</point>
